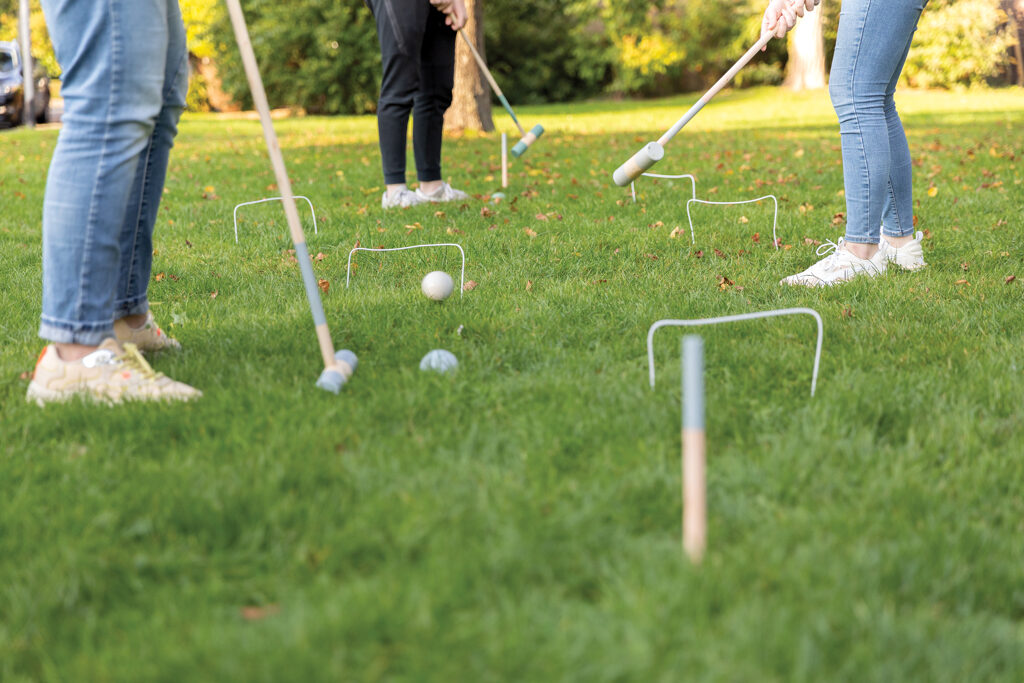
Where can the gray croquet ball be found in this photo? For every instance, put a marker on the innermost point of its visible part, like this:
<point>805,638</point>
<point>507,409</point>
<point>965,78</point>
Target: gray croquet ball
<point>497,196</point>
<point>439,360</point>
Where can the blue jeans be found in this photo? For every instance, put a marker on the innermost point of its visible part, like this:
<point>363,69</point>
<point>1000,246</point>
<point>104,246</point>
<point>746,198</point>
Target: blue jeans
<point>125,78</point>
<point>871,48</point>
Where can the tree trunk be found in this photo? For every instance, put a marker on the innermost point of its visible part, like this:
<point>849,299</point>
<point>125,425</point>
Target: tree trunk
<point>1015,15</point>
<point>805,69</point>
<point>471,99</point>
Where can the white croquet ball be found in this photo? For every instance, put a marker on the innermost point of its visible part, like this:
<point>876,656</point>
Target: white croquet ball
<point>437,285</point>
<point>439,360</point>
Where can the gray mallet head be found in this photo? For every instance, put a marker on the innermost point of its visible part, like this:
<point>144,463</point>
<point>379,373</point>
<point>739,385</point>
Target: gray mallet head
<point>528,139</point>
<point>334,377</point>
<point>651,154</point>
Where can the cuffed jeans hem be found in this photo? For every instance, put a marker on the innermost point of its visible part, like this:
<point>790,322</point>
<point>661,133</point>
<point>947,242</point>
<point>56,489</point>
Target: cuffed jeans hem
<point>134,306</point>
<point>91,334</point>
<point>861,240</point>
<point>909,233</point>
<point>394,179</point>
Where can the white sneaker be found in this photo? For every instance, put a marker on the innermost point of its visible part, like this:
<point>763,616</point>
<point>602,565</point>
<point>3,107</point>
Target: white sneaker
<point>110,374</point>
<point>445,193</point>
<point>403,199</point>
<point>909,257</point>
<point>839,266</point>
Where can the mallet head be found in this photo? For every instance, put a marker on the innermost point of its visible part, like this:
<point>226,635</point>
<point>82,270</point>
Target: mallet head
<point>528,139</point>
<point>332,379</point>
<point>650,154</point>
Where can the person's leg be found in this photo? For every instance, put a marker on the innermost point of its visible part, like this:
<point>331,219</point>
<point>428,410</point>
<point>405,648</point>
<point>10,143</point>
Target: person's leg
<point>400,33</point>
<point>898,212</point>
<point>136,240</point>
<point>437,79</point>
<point>112,56</point>
<point>870,51</point>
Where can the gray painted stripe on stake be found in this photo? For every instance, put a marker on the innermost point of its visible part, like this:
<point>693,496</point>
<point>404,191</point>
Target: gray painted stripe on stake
<point>693,382</point>
<point>309,280</point>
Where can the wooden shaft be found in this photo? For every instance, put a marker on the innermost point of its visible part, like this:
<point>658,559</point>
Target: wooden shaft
<point>714,90</point>
<point>695,522</point>
<point>259,98</point>
<point>694,495</point>
<point>492,82</point>
<point>504,160</point>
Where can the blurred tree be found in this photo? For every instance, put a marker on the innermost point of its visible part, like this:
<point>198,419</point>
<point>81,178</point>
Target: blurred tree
<point>42,50</point>
<point>471,99</point>
<point>958,43</point>
<point>805,69</point>
<point>1015,16</point>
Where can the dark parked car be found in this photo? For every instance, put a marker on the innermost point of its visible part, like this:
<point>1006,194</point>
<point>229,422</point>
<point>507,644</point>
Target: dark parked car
<point>12,90</point>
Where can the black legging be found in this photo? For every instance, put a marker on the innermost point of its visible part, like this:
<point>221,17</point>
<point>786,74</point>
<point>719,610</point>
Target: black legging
<point>418,58</point>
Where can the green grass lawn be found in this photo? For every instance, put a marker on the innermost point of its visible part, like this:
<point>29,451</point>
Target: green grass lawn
<point>519,521</point>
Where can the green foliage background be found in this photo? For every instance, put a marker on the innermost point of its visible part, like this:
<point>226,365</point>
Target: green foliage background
<point>322,55</point>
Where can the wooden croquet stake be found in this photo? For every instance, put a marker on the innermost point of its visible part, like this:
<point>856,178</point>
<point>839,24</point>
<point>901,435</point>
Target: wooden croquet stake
<point>693,457</point>
<point>504,160</point>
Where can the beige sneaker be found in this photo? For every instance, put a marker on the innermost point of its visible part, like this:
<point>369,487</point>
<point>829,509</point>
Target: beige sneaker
<point>108,375</point>
<point>149,337</point>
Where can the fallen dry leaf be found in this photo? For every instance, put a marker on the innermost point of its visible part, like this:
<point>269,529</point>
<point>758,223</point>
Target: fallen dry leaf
<point>724,282</point>
<point>963,282</point>
<point>756,237</point>
<point>698,254</point>
<point>319,256</point>
<point>1010,278</point>
<point>529,285</point>
<point>213,294</point>
<point>159,276</point>
<point>531,232</point>
<point>25,375</point>
<point>932,191</point>
<point>323,284</point>
<point>847,312</point>
<point>676,232</point>
<point>470,286</point>
<point>255,613</point>
<point>964,266</point>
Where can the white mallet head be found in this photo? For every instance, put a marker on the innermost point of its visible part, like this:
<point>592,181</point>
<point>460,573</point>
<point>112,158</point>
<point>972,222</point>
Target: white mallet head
<point>439,360</point>
<point>651,154</point>
<point>437,285</point>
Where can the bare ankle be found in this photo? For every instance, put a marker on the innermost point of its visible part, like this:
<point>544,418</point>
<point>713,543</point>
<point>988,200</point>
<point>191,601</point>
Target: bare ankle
<point>69,353</point>
<point>135,321</point>
<point>430,186</point>
<point>861,251</point>
<point>899,241</point>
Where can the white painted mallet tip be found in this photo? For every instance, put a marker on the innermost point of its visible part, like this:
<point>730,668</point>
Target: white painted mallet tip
<point>650,154</point>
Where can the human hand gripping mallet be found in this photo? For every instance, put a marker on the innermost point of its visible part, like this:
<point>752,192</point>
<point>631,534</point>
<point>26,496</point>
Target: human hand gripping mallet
<point>338,368</point>
<point>653,152</point>
<point>528,138</point>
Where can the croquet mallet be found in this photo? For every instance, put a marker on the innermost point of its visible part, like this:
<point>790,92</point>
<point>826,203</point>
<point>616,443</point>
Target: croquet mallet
<point>338,367</point>
<point>653,152</point>
<point>528,137</point>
